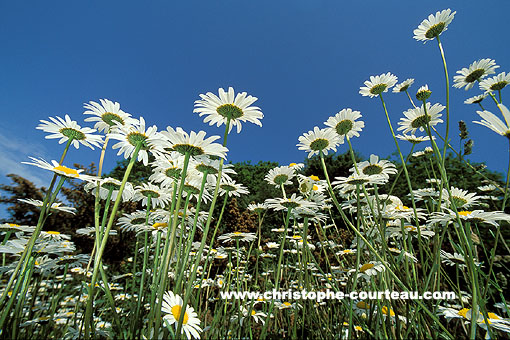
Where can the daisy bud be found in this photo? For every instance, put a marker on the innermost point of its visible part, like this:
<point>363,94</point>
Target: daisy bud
<point>423,93</point>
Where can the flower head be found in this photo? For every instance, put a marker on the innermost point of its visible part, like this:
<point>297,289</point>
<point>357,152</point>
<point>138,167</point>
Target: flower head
<point>193,143</point>
<point>318,140</point>
<point>344,123</point>
<point>403,86</point>
<point>491,121</point>
<point>378,84</point>
<point>476,71</point>
<point>132,135</point>
<point>418,118</point>
<point>496,83</point>
<point>67,129</point>
<point>174,310</point>
<point>228,107</point>
<point>434,25</point>
<point>423,93</point>
<point>107,115</point>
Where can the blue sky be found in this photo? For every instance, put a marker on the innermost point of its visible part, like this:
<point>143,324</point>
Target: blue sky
<point>304,60</point>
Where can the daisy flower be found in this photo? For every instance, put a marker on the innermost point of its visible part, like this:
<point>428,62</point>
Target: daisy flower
<point>460,198</point>
<point>494,123</point>
<point>158,196</point>
<point>110,184</point>
<point>494,320</point>
<point>318,140</point>
<point>55,206</point>
<point>423,93</point>
<point>66,129</point>
<point>414,139</point>
<point>257,208</point>
<point>193,143</point>
<point>231,188</point>
<point>434,25</point>
<point>228,106</point>
<point>107,115</point>
<point>496,83</point>
<point>346,184</point>
<point>60,169</point>
<point>476,216</point>
<point>289,203</point>
<point>237,236</point>
<point>476,99</point>
<point>417,118</point>
<point>172,306</point>
<point>375,166</point>
<point>452,259</point>
<point>476,71</point>
<point>377,85</point>
<point>427,151</point>
<point>281,175</point>
<point>403,86</point>
<point>130,136</point>
<point>345,124</point>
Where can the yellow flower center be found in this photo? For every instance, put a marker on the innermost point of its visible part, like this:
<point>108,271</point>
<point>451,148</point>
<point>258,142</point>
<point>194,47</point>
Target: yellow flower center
<point>401,208</point>
<point>176,312</point>
<point>159,225</point>
<point>253,312</point>
<point>363,305</point>
<point>237,233</point>
<point>292,164</point>
<point>53,232</point>
<point>366,267</point>
<point>13,225</point>
<point>463,312</point>
<point>410,228</point>
<point>493,316</point>
<point>465,213</point>
<point>385,311</point>
<point>66,170</point>
<point>288,304</point>
<point>315,188</point>
<point>315,178</point>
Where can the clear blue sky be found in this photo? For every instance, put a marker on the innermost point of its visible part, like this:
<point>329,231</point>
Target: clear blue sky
<point>304,60</point>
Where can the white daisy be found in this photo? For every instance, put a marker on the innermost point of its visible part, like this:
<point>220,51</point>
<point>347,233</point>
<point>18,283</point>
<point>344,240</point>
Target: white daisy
<point>460,198</point>
<point>318,140</point>
<point>280,175</point>
<point>434,25</point>
<point>66,129</point>
<point>345,124</point>
<point>230,187</point>
<point>376,166</point>
<point>347,184</point>
<point>476,71</point>
<point>228,106</point>
<point>237,236</point>
<point>494,123</point>
<point>403,86</point>
<point>417,118</point>
<point>195,143</point>
<point>289,203</point>
<point>172,305</point>
<point>107,115</point>
<point>423,93</point>
<point>130,136</point>
<point>378,84</point>
<point>414,139</point>
<point>159,197</point>
<point>107,184</point>
<point>496,83</point>
<point>55,206</point>
<point>60,169</point>
<point>476,99</point>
